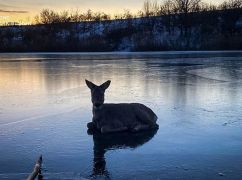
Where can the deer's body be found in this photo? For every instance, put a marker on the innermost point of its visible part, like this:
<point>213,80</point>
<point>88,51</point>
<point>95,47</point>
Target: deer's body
<point>119,117</point>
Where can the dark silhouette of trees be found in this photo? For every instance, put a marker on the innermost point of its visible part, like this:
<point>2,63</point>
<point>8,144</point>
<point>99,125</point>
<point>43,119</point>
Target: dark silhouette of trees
<point>48,16</point>
<point>231,4</point>
<point>183,7</point>
<point>151,8</point>
<point>170,25</point>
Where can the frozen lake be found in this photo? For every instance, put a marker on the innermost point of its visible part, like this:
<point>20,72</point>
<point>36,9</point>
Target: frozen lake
<point>197,96</point>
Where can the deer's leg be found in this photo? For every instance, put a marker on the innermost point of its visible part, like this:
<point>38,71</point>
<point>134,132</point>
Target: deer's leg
<point>91,125</point>
<point>140,127</point>
<point>108,129</point>
<point>144,118</point>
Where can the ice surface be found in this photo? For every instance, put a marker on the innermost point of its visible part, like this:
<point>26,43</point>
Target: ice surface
<point>45,105</point>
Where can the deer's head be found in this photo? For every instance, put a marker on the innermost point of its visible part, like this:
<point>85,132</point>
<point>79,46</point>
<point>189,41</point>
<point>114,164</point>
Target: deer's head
<point>97,92</point>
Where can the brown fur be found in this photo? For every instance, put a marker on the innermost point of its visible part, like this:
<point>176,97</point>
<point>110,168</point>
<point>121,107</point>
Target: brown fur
<point>118,117</point>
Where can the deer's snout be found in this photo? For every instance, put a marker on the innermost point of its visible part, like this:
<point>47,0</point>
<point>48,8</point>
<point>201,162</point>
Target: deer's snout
<point>97,96</point>
<point>97,104</point>
<point>98,101</point>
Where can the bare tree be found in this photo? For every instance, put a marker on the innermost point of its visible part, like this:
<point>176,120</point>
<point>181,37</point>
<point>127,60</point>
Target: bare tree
<point>105,16</point>
<point>48,16</point>
<point>118,16</point>
<point>37,19</point>
<point>89,15</point>
<point>186,6</point>
<point>140,13</point>
<point>147,8</point>
<point>151,8</point>
<point>207,7</point>
<point>64,17</point>
<point>183,7</point>
<point>231,4</point>
<point>155,8</point>
<point>97,16</point>
<point>127,14</point>
<point>75,16</point>
<point>167,9</point>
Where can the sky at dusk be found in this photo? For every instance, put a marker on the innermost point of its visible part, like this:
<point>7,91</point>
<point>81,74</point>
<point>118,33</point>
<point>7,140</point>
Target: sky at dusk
<point>25,10</point>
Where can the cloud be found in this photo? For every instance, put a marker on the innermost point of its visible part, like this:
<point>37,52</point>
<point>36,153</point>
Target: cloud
<point>12,11</point>
<point>7,6</point>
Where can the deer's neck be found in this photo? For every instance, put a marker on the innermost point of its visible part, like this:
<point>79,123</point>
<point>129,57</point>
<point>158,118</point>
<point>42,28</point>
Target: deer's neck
<point>96,109</point>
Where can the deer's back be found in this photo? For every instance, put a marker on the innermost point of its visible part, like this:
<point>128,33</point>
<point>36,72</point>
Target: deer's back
<point>124,114</point>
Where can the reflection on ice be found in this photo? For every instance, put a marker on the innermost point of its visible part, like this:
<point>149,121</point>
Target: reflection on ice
<point>105,142</point>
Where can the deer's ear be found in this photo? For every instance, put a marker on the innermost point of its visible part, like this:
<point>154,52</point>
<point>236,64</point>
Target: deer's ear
<point>105,85</point>
<point>90,84</point>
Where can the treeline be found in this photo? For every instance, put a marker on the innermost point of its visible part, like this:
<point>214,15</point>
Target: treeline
<point>171,25</point>
<point>48,16</point>
<point>150,8</point>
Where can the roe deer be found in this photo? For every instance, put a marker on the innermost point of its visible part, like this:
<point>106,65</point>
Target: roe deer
<point>109,118</point>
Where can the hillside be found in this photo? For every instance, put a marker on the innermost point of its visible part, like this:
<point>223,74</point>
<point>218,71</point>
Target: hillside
<point>211,30</point>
